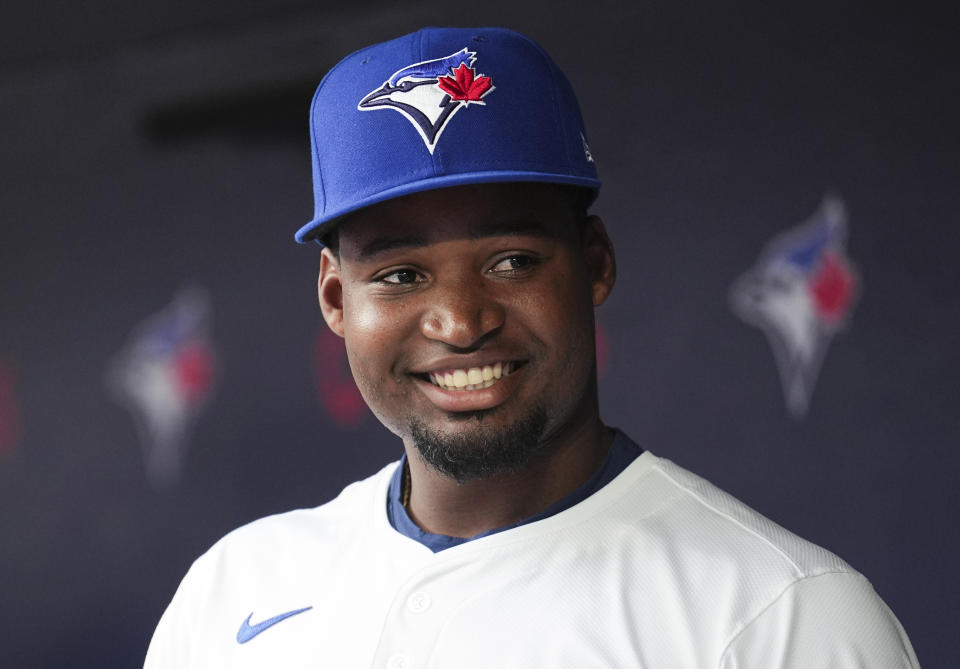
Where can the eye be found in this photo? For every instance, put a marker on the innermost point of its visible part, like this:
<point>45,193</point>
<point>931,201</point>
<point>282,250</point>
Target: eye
<point>514,264</point>
<point>400,277</point>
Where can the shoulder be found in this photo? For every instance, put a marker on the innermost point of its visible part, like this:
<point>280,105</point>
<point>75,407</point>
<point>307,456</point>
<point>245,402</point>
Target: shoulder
<point>786,601</point>
<point>263,566</point>
<point>707,514</point>
<point>270,554</point>
<point>308,530</point>
<point>832,619</point>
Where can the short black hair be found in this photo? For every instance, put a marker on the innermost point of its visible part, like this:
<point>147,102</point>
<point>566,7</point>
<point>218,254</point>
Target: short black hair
<point>580,200</point>
<point>332,240</point>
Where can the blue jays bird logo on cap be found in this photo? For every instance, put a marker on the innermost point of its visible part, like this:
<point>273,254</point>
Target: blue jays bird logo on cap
<point>428,94</point>
<point>801,292</point>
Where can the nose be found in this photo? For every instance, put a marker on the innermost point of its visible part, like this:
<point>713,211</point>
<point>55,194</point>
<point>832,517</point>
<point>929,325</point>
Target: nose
<point>462,314</point>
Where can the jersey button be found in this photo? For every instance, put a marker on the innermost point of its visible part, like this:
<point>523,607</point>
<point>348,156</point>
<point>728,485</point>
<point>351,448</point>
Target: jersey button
<point>399,661</point>
<point>418,602</point>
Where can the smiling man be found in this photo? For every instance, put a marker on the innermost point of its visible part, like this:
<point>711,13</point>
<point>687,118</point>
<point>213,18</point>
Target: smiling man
<point>452,180</point>
<point>468,317</point>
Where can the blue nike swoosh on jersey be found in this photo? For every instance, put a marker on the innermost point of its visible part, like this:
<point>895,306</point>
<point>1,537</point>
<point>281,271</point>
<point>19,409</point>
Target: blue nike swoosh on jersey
<point>248,631</point>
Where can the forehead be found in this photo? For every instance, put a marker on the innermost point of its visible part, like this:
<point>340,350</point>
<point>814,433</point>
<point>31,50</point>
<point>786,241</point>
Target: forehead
<point>461,212</point>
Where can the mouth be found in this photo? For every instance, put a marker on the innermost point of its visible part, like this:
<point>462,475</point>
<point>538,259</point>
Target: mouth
<point>471,378</point>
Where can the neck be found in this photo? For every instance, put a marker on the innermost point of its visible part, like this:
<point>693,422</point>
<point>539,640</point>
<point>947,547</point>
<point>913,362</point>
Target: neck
<point>440,505</point>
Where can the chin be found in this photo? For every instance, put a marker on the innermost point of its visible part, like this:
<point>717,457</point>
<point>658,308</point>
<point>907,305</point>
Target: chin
<point>477,451</point>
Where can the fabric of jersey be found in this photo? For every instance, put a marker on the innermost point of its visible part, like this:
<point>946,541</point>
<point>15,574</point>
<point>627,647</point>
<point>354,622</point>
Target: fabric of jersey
<point>659,569</point>
<point>622,452</point>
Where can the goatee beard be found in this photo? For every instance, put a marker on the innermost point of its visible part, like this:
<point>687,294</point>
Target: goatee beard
<point>478,453</point>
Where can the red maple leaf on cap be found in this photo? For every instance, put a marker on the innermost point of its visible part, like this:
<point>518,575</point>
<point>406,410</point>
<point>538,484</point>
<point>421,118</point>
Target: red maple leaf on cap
<point>467,86</point>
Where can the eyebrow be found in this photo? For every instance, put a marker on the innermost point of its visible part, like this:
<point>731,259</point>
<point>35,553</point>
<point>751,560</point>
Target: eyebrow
<point>507,228</point>
<point>383,244</point>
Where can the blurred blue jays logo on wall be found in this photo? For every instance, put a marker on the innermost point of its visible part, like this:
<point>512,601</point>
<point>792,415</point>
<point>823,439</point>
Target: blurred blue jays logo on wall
<point>164,377</point>
<point>10,425</point>
<point>801,292</point>
<point>428,94</point>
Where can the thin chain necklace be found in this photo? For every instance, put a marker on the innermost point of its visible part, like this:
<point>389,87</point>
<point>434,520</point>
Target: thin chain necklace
<point>405,486</point>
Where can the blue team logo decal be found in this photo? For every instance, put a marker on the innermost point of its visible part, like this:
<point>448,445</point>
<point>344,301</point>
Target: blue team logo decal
<point>164,376</point>
<point>428,94</point>
<point>801,292</point>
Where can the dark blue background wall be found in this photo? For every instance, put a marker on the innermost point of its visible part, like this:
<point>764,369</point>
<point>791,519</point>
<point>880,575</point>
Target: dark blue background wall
<point>150,151</point>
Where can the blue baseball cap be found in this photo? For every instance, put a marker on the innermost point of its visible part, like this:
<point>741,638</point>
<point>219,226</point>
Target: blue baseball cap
<point>441,107</point>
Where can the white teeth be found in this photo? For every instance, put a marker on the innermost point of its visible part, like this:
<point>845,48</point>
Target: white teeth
<point>474,378</point>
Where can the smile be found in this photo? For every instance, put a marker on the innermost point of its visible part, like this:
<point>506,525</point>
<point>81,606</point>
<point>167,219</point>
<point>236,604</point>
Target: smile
<point>474,378</point>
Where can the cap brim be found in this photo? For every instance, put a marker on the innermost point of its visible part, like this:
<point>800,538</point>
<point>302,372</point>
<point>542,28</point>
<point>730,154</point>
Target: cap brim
<point>319,227</point>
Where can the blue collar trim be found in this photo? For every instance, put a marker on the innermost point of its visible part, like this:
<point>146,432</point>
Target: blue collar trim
<point>623,451</point>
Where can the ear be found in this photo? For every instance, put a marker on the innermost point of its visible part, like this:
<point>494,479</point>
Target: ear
<point>601,260</point>
<point>330,291</point>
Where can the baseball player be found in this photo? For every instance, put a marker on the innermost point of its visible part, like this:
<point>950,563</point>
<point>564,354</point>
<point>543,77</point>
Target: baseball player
<point>452,179</point>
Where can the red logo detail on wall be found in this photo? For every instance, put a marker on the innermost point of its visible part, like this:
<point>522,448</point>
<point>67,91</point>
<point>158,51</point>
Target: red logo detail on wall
<point>194,371</point>
<point>10,425</point>
<point>335,386</point>
<point>834,288</point>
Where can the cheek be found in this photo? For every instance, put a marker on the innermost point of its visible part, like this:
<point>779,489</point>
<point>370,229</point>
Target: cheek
<point>364,318</point>
<point>562,306</point>
<point>565,320</point>
<point>374,334</point>
<point>367,334</point>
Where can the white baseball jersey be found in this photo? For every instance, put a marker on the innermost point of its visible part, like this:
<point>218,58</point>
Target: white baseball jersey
<point>658,569</point>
